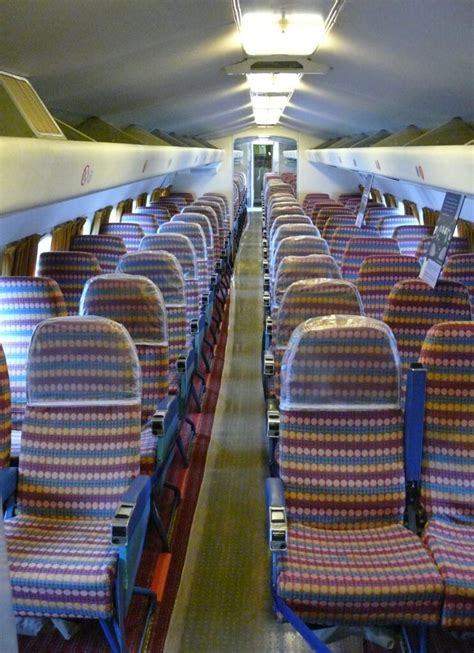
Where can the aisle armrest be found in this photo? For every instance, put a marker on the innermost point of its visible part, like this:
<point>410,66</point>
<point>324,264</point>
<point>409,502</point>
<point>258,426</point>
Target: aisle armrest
<point>276,511</point>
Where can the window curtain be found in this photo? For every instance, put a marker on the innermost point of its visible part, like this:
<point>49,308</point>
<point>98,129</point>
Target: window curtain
<point>19,257</point>
<point>411,208</point>
<point>430,216</point>
<point>64,234</point>
<point>101,217</point>
<point>466,230</point>
<point>390,200</point>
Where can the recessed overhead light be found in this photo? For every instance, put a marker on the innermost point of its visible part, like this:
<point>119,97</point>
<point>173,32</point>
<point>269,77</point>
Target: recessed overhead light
<point>273,82</point>
<point>262,101</point>
<point>267,116</point>
<point>266,33</point>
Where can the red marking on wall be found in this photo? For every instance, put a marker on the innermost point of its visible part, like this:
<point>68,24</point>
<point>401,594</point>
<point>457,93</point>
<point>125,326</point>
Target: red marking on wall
<point>87,174</point>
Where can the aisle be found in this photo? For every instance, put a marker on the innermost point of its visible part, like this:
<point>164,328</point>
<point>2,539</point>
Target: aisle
<point>223,604</point>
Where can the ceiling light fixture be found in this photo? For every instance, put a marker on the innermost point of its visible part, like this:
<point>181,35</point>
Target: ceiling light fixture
<point>266,33</point>
<point>262,101</point>
<point>267,116</point>
<point>273,82</point>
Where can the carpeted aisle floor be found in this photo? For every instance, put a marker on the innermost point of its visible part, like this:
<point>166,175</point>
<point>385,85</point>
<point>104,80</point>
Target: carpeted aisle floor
<point>223,603</point>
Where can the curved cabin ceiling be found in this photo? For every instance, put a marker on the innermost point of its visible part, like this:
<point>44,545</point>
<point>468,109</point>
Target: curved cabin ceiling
<point>158,63</point>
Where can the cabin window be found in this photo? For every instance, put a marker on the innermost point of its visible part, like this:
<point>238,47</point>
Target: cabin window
<point>101,217</point>
<point>411,208</point>
<point>19,257</point>
<point>390,200</point>
<point>430,216</point>
<point>465,230</point>
<point>159,192</point>
<point>376,196</point>
<point>124,206</point>
<point>64,234</point>
<point>141,200</point>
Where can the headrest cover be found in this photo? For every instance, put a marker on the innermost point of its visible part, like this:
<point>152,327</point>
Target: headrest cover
<point>340,360</point>
<point>131,300</point>
<point>82,360</point>
<point>177,244</point>
<point>192,230</point>
<point>162,268</point>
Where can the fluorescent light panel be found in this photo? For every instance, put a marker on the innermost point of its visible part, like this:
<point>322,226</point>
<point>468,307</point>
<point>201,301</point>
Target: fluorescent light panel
<point>265,33</point>
<point>262,101</point>
<point>267,116</point>
<point>273,82</point>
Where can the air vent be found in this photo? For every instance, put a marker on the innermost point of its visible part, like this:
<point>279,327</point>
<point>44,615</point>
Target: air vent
<point>278,66</point>
<point>22,111</point>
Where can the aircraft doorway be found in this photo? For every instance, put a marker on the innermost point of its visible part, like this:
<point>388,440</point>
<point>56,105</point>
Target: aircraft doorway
<point>262,163</point>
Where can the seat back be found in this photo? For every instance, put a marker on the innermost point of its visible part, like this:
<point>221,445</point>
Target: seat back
<point>287,219</point>
<point>195,233</point>
<point>321,215</point>
<point>130,233</point>
<point>106,249</point>
<point>456,246</point>
<point>159,213</point>
<point>357,249</point>
<point>387,225</point>
<point>413,307</point>
<point>336,221</point>
<point>377,276</point>
<point>210,214</point>
<point>447,485</point>
<point>297,246</point>
<point>341,428</point>
<point>296,268</point>
<point>460,267</point>
<point>5,412</point>
<point>181,247</point>
<point>137,304</point>
<point>83,404</point>
<point>165,271</point>
<point>24,302</point>
<point>410,236</point>
<point>203,222</point>
<point>70,270</point>
<point>149,222</point>
<point>289,230</point>
<point>342,235</point>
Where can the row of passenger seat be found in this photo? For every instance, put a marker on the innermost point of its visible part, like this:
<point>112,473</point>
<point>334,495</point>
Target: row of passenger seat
<point>341,553</point>
<point>102,360</point>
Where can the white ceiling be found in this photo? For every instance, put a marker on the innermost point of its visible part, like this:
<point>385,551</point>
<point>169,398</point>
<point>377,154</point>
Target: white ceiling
<point>158,63</point>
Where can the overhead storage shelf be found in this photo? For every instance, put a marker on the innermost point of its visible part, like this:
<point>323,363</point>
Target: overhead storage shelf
<point>445,167</point>
<point>36,172</point>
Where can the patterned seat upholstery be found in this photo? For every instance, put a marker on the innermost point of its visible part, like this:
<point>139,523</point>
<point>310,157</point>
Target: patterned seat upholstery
<point>413,307</point>
<point>149,222</point>
<point>387,225</point>
<point>70,270</point>
<point>170,205</point>
<point>83,404</point>
<point>287,220</point>
<point>456,246</point>
<point>341,463</point>
<point>159,213</point>
<point>321,215</point>
<point>180,246</point>
<point>357,249</point>
<point>106,249</point>
<point>5,412</point>
<point>130,233</point>
<point>296,246</point>
<point>410,236</point>
<point>289,230</point>
<point>296,268</point>
<point>460,267</point>
<point>137,304</point>
<point>216,206</point>
<point>195,233</point>
<point>165,271</point>
<point>377,276</point>
<point>307,299</point>
<point>210,214</point>
<point>341,237</point>
<point>24,302</point>
<point>447,481</point>
<point>334,222</point>
<point>224,210</point>
<point>203,221</point>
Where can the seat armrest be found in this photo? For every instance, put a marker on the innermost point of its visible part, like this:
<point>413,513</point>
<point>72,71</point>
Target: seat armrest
<point>183,360</point>
<point>268,363</point>
<point>130,509</point>
<point>266,299</point>
<point>269,325</point>
<point>273,422</point>
<point>8,483</point>
<point>164,415</point>
<point>194,326</point>
<point>266,283</point>
<point>276,512</point>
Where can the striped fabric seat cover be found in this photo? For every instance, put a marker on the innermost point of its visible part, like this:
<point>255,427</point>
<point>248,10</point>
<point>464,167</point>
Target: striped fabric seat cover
<point>170,205</point>
<point>216,206</point>
<point>185,195</point>
<point>334,222</point>
<point>296,268</point>
<point>137,304</point>
<point>83,404</point>
<point>149,222</point>
<point>321,215</point>
<point>165,271</point>
<point>456,246</point>
<point>341,237</point>
<point>311,298</point>
<point>349,559</point>
<point>287,220</point>
<point>377,276</point>
<point>224,210</point>
<point>196,235</point>
<point>380,212</point>
<point>285,209</point>
<point>130,233</point>
<point>180,246</point>
<point>24,302</point>
<point>289,230</point>
<point>413,307</point>
<point>203,221</point>
<point>410,236</point>
<point>106,249</point>
<point>160,213</point>
<point>5,412</point>
<point>448,464</point>
<point>358,248</point>
<point>460,267</point>
<point>297,246</point>
<point>70,270</point>
<point>387,225</point>
<point>213,221</point>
